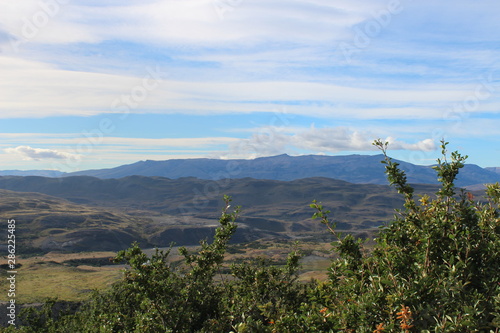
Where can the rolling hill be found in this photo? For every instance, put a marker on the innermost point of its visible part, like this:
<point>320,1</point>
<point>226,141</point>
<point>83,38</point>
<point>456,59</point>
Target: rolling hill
<point>82,213</point>
<point>49,223</point>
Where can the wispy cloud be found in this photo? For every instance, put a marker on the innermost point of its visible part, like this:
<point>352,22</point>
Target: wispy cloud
<point>38,154</point>
<point>54,91</point>
<point>195,21</point>
<point>99,140</point>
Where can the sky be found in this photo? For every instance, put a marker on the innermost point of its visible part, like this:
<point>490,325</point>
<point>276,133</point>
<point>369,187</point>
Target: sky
<point>98,84</point>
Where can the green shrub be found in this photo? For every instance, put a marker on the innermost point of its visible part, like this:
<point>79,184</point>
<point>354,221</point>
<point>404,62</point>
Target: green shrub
<point>437,264</point>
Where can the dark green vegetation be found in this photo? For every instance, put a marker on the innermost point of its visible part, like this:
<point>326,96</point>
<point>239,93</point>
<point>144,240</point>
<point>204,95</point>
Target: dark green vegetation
<point>433,269</point>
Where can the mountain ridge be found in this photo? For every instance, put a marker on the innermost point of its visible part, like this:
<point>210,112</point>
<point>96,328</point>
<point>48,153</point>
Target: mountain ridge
<point>358,169</point>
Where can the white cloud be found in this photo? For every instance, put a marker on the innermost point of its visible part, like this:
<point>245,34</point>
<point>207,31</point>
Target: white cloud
<point>37,154</point>
<point>424,145</point>
<point>273,140</point>
<point>98,139</point>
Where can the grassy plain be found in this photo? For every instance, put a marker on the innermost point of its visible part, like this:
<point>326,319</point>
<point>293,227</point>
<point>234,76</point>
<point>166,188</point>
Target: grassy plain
<point>72,276</point>
<point>53,275</point>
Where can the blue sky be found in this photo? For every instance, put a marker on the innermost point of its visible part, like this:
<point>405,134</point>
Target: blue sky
<point>97,84</point>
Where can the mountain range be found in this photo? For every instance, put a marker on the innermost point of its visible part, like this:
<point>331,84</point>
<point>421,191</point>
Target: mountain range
<point>359,169</point>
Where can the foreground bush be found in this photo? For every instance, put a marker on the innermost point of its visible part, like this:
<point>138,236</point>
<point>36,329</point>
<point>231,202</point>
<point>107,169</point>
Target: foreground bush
<point>435,268</point>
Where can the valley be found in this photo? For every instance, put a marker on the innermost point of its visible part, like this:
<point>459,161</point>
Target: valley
<point>86,213</point>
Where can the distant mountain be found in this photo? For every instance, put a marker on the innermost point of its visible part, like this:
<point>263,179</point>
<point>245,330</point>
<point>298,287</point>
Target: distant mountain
<point>494,169</point>
<point>360,169</point>
<point>42,173</point>
<point>352,168</point>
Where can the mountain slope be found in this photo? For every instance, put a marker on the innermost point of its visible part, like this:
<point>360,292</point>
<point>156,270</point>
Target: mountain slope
<point>494,169</point>
<point>171,195</point>
<point>360,169</point>
<point>270,206</point>
<point>50,223</point>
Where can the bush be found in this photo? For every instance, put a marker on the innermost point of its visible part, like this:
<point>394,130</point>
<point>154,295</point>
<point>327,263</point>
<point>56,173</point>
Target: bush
<point>435,268</point>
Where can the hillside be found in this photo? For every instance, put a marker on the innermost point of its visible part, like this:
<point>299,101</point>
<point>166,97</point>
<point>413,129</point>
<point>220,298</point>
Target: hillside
<point>50,223</point>
<point>83,213</point>
<point>360,169</point>
<point>192,196</point>
<point>494,169</point>
<point>47,223</point>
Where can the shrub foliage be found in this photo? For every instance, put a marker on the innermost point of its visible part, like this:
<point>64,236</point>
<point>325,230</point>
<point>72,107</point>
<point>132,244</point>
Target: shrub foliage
<point>435,268</point>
